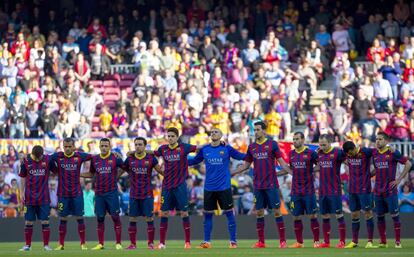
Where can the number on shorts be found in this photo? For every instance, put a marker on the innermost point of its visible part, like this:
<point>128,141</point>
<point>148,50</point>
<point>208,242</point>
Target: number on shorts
<point>60,206</point>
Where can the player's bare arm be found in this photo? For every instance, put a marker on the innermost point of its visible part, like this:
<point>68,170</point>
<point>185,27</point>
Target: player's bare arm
<point>241,169</point>
<point>407,168</point>
<point>159,169</point>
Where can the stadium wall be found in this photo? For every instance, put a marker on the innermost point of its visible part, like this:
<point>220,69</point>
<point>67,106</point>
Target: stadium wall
<point>12,229</point>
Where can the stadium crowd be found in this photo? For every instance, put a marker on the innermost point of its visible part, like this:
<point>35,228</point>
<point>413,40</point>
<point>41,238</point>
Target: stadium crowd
<point>203,64</point>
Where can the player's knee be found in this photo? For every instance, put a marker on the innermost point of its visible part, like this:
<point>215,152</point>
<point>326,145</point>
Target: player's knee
<point>295,218</point>
<point>355,215</point>
<point>338,216</point>
<point>260,213</point>
<point>369,214</point>
<point>164,214</point>
<point>277,212</point>
<point>149,219</point>
<point>133,219</point>
<point>313,216</point>
<point>44,222</point>
<point>28,223</point>
<point>64,219</point>
<point>326,216</point>
<point>184,214</point>
<point>101,219</point>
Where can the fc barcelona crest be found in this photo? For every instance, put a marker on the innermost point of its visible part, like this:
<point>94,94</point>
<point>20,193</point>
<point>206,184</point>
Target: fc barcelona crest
<point>146,163</point>
<point>75,159</point>
<point>332,156</point>
<point>221,152</point>
<point>178,149</point>
<point>44,164</point>
<point>387,156</point>
<point>266,147</point>
<point>110,161</point>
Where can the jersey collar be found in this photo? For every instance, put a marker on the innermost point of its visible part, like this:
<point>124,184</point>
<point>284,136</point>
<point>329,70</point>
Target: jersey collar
<point>68,156</point>
<point>173,147</point>
<point>383,150</point>
<point>106,156</point>
<point>301,150</point>
<point>34,158</point>
<point>330,150</point>
<point>261,142</point>
<point>140,157</point>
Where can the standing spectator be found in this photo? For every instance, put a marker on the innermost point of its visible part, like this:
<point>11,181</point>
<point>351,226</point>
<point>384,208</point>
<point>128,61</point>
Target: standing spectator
<point>339,119</point>
<point>32,120</point>
<point>100,63</point>
<point>87,103</point>
<point>48,123</point>
<point>115,48</point>
<point>4,117</point>
<point>209,52</point>
<point>250,54</point>
<point>96,27</point>
<point>399,124</point>
<point>88,198</point>
<point>323,37</point>
<point>382,93</point>
<point>391,27</point>
<point>341,39</point>
<point>370,31</point>
<point>82,69</point>
<point>401,12</point>
<point>10,73</point>
<point>392,74</point>
<point>361,106</point>
<point>63,129</point>
<point>17,118</point>
<point>375,50</point>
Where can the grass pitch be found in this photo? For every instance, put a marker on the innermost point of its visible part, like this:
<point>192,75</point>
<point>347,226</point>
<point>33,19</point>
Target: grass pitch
<point>220,249</point>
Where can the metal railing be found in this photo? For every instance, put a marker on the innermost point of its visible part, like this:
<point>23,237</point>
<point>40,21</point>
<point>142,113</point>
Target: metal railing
<point>404,147</point>
<point>124,69</point>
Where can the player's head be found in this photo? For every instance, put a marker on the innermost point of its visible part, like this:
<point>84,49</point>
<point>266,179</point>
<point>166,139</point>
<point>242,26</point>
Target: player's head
<point>215,134</point>
<point>382,140</point>
<point>69,146</point>
<point>349,148</point>
<point>298,140</point>
<point>140,145</point>
<point>172,135</point>
<point>325,142</point>
<point>104,146</point>
<point>259,129</point>
<point>37,152</point>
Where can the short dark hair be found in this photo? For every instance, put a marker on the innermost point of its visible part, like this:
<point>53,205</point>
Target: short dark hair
<point>261,124</point>
<point>141,139</point>
<point>384,135</point>
<point>302,136</point>
<point>348,146</point>
<point>173,130</point>
<point>105,139</point>
<point>69,140</point>
<point>327,137</point>
<point>37,151</point>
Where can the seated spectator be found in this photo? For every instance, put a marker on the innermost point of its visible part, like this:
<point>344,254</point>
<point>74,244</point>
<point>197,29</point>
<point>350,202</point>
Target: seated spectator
<point>63,129</point>
<point>375,49</point>
<point>115,48</point>
<point>70,50</point>
<point>82,69</point>
<point>250,54</point>
<point>105,119</point>
<point>239,73</point>
<point>406,199</point>
<point>120,122</point>
<point>323,37</point>
<point>96,26</point>
<point>82,129</point>
<point>100,63</point>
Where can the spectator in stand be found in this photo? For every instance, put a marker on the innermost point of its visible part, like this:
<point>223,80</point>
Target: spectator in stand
<point>375,49</point>
<point>382,93</point>
<point>391,27</point>
<point>361,106</point>
<point>409,50</point>
<point>399,125</point>
<point>82,129</point>
<point>100,63</point>
<point>17,116</point>
<point>48,122</point>
<point>82,69</point>
<point>96,26</point>
<point>87,103</point>
<point>250,54</point>
<point>370,31</point>
<point>32,120</point>
<point>406,199</point>
<point>120,122</point>
<point>323,37</point>
<point>341,39</point>
<point>115,48</point>
<point>392,74</point>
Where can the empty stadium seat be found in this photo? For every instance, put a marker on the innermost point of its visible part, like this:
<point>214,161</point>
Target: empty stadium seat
<point>110,83</point>
<point>128,76</point>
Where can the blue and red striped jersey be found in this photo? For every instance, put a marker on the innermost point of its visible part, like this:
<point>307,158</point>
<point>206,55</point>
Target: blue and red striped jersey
<point>106,173</point>
<point>301,164</point>
<point>36,190</point>
<point>176,164</point>
<point>140,170</point>
<point>330,172</point>
<point>264,156</point>
<point>68,170</point>
<point>386,168</point>
<point>359,171</point>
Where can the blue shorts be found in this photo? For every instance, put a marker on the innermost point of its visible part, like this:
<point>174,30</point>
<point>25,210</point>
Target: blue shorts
<point>141,207</point>
<point>175,198</point>
<point>33,212</point>
<point>267,198</point>
<point>300,205</point>
<point>107,202</point>
<point>359,202</point>
<point>330,205</point>
<point>71,206</point>
<point>385,205</point>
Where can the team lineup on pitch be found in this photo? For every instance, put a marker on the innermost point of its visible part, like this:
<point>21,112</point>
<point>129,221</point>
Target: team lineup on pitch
<point>171,161</point>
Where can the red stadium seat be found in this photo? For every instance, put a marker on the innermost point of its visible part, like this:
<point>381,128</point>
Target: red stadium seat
<point>95,83</point>
<point>111,97</point>
<point>97,134</point>
<point>128,76</point>
<point>125,83</point>
<point>115,76</point>
<point>99,90</point>
<point>110,83</point>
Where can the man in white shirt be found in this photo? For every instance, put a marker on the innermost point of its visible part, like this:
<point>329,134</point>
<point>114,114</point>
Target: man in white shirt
<point>382,93</point>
